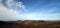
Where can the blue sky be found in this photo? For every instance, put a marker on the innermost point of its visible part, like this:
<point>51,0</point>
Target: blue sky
<point>42,5</point>
<point>30,9</point>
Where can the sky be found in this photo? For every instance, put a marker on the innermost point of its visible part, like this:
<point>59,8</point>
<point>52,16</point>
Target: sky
<point>12,10</point>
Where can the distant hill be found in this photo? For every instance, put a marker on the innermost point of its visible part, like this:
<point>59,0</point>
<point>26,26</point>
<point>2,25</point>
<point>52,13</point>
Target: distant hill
<point>29,24</point>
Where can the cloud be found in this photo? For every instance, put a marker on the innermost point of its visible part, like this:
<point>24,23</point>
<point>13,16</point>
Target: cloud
<point>19,6</point>
<point>52,10</point>
<point>49,11</point>
<point>9,14</point>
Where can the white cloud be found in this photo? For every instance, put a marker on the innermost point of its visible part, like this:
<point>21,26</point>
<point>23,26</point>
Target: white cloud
<point>7,14</point>
<point>51,10</point>
<point>10,3</point>
<point>15,5</point>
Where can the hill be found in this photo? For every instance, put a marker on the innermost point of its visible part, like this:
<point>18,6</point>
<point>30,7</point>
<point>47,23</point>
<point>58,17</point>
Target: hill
<point>30,24</point>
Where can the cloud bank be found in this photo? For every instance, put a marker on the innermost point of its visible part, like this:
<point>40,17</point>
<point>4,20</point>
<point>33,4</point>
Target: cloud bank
<point>10,13</point>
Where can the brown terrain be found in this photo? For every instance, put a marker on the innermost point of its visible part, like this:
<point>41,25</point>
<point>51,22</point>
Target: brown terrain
<point>30,24</point>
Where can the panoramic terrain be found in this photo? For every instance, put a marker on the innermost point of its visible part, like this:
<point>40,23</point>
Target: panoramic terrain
<point>30,24</point>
